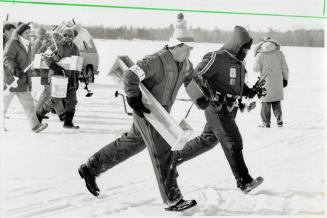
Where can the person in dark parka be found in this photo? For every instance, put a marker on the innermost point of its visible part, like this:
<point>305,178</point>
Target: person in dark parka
<point>225,73</point>
<point>16,60</point>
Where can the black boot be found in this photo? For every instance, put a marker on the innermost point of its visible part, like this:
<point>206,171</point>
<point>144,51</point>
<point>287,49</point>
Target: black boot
<point>61,116</point>
<point>252,185</point>
<point>181,205</point>
<point>68,122</point>
<point>41,114</point>
<point>89,178</point>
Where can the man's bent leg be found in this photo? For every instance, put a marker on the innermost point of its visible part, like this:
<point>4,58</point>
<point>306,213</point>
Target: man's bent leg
<point>226,130</point>
<point>128,145</point>
<point>203,143</point>
<point>112,154</point>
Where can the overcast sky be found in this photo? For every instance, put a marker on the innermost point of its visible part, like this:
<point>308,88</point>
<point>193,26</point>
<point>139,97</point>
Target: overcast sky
<point>47,14</point>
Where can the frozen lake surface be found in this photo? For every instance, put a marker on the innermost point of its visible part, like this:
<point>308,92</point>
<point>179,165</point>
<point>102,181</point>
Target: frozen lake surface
<point>39,171</point>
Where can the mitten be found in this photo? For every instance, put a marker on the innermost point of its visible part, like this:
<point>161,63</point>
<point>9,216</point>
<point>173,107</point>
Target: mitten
<point>18,72</point>
<point>137,105</point>
<point>203,102</point>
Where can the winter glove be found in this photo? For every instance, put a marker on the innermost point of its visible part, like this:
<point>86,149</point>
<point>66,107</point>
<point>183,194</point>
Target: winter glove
<point>251,106</point>
<point>19,72</point>
<point>249,92</point>
<point>261,91</point>
<point>204,101</point>
<point>285,82</point>
<point>137,105</point>
<point>56,58</point>
<point>54,66</point>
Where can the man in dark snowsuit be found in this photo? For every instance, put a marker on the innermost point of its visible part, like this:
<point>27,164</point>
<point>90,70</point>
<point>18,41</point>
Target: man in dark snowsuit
<point>66,48</point>
<point>162,73</point>
<point>225,73</point>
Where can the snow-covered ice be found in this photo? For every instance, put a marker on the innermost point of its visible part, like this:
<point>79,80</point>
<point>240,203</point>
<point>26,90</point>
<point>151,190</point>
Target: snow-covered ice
<point>39,171</point>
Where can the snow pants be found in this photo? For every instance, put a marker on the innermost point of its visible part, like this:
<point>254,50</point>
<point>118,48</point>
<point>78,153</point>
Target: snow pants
<point>221,127</point>
<point>27,102</point>
<point>45,96</point>
<point>141,135</point>
<point>70,101</point>
<point>266,111</point>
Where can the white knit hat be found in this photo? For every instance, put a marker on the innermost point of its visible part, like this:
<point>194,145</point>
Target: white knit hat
<point>182,35</point>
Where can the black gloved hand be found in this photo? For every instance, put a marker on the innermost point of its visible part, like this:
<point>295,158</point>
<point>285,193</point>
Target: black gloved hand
<point>251,93</point>
<point>56,68</point>
<point>137,105</point>
<point>261,92</point>
<point>203,102</point>
<point>19,72</point>
<point>285,83</point>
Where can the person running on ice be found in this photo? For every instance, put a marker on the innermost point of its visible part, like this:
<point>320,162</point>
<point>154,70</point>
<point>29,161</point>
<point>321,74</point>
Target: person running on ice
<point>16,58</point>
<point>162,73</point>
<point>225,73</point>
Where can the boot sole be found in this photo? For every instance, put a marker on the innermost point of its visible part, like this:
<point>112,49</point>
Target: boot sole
<point>43,127</point>
<point>259,182</point>
<point>190,205</point>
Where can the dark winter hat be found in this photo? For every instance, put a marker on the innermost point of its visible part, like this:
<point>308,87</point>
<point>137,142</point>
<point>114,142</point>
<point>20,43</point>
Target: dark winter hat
<point>22,28</point>
<point>68,31</point>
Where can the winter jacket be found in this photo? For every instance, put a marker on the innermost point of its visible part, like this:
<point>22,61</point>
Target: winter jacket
<point>163,77</point>
<point>271,61</point>
<point>223,71</point>
<point>15,60</point>
<point>40,46</point>
<point>65,50</point>
<point>4,41</point>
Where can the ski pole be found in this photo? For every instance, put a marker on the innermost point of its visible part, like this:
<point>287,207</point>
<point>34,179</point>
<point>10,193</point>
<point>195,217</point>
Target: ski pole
<point>116,95</point>
<point>183,99</point>
<point>189,110</point>
<point>14,83</point>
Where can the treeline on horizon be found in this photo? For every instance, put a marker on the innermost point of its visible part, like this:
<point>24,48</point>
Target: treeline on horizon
<point>299,37</point>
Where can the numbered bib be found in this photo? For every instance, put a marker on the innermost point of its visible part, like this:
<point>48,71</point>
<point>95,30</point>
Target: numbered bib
<point>138,71</point>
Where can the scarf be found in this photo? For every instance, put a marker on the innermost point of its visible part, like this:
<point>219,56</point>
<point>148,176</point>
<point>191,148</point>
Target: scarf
<point>24,41</point>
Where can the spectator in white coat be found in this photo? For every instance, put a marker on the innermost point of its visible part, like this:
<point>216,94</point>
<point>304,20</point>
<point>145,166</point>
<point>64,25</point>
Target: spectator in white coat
<point>270,62</point>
